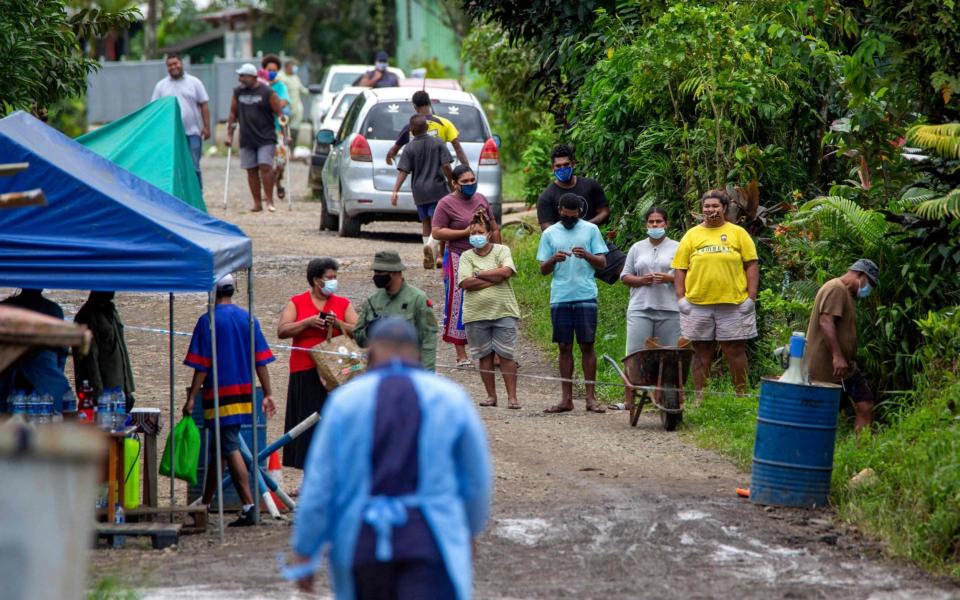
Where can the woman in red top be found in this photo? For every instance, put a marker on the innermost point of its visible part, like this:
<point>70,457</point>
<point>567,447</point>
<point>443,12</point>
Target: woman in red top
<point>309,318</point>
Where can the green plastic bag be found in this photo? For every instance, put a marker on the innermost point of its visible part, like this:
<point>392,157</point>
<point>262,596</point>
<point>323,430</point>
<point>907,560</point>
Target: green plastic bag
<point>188,451</point>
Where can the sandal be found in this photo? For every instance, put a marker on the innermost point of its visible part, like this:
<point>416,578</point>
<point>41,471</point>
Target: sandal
<point>464,363</point>
<point>281,192</point>
<point>256,209</point>
<point>558,408</point>
<point>488,402</point>
<point>514,405</point>
<point>596,407</point>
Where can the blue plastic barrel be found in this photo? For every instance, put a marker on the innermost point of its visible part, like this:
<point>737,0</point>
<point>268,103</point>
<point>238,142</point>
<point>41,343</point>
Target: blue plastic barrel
<point>230,497</point>
<point>793,448</point>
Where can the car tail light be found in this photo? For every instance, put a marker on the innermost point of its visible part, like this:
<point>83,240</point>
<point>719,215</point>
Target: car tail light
<point>360,150</point>
<point>490,155</point>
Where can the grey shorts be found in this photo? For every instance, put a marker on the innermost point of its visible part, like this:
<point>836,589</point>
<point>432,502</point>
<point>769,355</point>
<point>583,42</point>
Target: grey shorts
<point>494,335</point>
<point>718,322</point>
<point>250,158</point>
<point>642,324</point>
<point>229,441</point>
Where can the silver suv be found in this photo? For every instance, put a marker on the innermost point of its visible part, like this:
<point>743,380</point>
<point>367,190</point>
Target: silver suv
<point>356,180</point>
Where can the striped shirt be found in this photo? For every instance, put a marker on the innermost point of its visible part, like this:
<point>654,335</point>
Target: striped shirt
<point>496,301</point>
<point>233,363</point>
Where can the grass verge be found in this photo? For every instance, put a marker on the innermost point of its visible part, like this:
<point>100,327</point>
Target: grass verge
<point>912,502</point>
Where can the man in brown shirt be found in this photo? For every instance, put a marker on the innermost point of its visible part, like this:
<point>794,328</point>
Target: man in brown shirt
<point>832,337</point>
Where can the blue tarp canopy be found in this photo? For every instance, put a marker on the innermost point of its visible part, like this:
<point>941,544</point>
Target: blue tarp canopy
<point>103,228</point>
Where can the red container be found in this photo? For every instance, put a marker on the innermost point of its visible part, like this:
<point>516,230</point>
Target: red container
<point>85,405</point>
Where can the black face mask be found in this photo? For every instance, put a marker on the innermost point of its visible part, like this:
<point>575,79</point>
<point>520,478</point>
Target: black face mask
<point>381,280</point>
<point>569,222</point>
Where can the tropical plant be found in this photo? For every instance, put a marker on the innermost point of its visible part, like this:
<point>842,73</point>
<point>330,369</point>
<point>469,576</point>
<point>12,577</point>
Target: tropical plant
<point>42,40</point>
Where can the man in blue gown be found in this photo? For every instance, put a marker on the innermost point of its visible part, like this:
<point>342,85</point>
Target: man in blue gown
<point>397,481</point>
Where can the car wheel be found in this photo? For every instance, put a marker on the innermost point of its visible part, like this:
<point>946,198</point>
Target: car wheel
<point>327,221</point>
<point>347,226</point>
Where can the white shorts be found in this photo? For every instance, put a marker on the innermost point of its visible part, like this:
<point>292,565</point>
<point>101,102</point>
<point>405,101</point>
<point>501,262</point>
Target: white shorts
<point>718,322</point>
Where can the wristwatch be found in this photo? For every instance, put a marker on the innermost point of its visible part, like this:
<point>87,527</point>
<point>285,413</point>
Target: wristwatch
<point>476,273</point>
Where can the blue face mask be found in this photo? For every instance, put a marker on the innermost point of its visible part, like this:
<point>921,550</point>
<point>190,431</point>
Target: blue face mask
<point>864,290</point>
<point>468,190</point>
<point>329,286</point>
<point>271,75</point>
<point>478,240</point>
<point>656,232</point>
<point>563,174</point>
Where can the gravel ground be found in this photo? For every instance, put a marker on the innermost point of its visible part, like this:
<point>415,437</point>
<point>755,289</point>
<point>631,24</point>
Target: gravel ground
<point>584,507</point>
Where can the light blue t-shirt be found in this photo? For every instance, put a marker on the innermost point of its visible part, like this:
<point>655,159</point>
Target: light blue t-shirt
<point>573,278</point>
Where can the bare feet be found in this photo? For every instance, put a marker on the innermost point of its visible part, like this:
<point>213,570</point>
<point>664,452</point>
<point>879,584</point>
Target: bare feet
<point>514,404</point>
<point>563,407</point>
<point>489,402</point>
<point>596,407</point>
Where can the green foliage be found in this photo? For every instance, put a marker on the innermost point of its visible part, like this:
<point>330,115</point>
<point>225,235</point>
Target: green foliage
<point>943,139</point>
<point>109,588</point>
<point>335,31</point>
<point>537,170</point>
<point>506,69</point>
<point>913,501</point>
<point>41,39</point>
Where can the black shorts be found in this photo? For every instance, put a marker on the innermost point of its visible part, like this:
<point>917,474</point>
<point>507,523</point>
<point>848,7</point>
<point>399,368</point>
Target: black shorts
<point>574,318</point>
<point>856,388</point>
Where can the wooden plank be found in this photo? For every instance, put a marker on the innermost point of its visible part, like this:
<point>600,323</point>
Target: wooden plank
<point>13,168</point>
<point>137,528</point>
<point>150,473</point>
<point>144,514</point>
<point>21,199</point>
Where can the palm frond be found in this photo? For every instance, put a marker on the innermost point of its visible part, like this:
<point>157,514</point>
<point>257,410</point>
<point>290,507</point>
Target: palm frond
<point>803,290</point>
<point>911,198</point>
<point>942,139</point>
<point>843,218</point>
<point>938,208</point>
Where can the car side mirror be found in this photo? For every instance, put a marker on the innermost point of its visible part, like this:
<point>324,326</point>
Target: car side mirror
<point>315,88</point>
<point>496,139</point>
<point>326,136</point>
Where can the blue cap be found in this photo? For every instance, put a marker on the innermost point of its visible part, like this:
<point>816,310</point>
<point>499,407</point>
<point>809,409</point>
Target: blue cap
<point>382,56</point>
<point>394,329</point>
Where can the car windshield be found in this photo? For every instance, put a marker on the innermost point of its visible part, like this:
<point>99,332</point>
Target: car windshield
<point>386,119</point>
<point>344,106</point>
<point>342,80</point>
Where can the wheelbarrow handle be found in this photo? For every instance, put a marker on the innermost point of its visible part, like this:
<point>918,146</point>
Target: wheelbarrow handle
<point>620,372</point>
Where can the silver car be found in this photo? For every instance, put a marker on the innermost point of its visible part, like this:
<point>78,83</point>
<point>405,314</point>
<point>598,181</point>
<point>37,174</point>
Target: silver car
<point>356,180</point>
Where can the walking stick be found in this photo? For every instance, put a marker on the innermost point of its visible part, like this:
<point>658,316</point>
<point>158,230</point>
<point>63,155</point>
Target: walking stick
<point>226,183</point>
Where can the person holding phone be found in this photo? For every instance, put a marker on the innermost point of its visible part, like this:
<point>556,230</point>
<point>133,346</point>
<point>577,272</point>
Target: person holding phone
<point>311,318</point>
<point>572,251</point>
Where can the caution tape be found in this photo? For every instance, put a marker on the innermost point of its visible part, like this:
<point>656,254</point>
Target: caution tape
<point>553,378</point>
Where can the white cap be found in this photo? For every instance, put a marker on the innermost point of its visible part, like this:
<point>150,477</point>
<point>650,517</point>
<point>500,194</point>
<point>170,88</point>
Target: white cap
<point>227,281</point>
<point>247,69</point>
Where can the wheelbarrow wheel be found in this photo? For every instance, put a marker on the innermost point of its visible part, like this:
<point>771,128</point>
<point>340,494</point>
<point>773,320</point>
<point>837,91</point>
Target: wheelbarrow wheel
<point>668,418</point>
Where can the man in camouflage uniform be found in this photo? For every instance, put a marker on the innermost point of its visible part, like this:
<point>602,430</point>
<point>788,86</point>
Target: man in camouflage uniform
<point>396,298</point>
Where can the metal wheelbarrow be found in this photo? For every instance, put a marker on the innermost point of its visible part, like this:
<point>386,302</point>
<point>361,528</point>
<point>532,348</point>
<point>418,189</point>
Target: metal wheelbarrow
<point>659,375</point>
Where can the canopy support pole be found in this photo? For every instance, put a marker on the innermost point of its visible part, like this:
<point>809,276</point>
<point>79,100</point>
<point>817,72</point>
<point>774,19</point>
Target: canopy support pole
<point>173,417</point>
<point>211,305</point>
<point>253,398</point>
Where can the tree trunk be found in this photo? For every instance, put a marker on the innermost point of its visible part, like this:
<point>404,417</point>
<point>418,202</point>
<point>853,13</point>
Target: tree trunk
<point>150,33</point>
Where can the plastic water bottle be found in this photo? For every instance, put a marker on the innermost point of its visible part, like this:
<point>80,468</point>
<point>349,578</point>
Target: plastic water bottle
<point>68,404</point>
<point>118,517</point>
<point>102,496</point>
<point>44,410</point>
<point>119,409</point>
<point>105,410</point>
<point>796,373</point>
<point>18,403</point>
<point>33,407</point>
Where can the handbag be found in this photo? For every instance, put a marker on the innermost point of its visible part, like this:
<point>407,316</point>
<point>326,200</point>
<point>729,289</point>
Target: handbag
<point>187,437</point>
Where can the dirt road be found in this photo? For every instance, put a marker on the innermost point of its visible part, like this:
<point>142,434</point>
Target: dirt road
<point>585,507</point>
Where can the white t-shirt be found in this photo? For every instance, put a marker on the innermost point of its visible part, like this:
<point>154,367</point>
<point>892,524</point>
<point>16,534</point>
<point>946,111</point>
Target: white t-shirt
<point>644,258</point>
<point>190,94</point>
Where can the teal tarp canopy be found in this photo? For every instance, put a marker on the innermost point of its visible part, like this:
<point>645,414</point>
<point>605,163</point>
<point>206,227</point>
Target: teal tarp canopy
<point>151,144</point>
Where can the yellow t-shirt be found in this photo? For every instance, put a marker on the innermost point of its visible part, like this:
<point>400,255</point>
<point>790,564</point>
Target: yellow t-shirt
<point>713,258</point>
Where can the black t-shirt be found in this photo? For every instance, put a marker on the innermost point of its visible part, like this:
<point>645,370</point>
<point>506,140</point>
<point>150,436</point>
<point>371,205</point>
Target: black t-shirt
<point>548,210</point>
<point>255,116</point>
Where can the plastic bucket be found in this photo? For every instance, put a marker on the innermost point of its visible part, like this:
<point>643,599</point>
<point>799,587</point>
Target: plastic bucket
<point>230,497</point>
<point>793,448</point>
<point>47,509</point>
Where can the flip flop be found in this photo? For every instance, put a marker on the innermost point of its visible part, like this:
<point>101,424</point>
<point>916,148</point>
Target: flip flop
<point>256,209</point>
<point>557,408</point>
<point>597,408</point>
<point>271,207</point>
<point>514,405</point>
<point>488,402</point>
<point>464,363</point>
